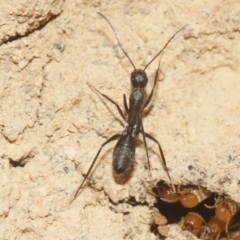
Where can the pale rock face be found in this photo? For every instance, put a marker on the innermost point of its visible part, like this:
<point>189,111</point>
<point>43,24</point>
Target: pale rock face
<point>52,123</point>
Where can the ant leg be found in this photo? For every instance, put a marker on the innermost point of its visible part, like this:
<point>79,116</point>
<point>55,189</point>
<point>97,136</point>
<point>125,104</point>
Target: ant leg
<point>155,82</point>
<point>114,137</point>
<point>216,199</point>
<point>145,142</point>
<point>109,99</point>
<point>141,124</point>
<point>162,156</point>
<point>125,103</point>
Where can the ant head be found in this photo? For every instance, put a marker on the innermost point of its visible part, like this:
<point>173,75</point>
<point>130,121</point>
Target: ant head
<point>193,222</point>
<point>166,193</point>
<point>139,78</point>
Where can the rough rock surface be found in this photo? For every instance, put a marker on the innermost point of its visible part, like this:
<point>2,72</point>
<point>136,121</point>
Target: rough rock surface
<point>52,123</point>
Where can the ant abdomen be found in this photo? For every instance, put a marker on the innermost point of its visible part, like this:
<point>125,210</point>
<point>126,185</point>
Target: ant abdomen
<point>139,78</point>
<point>189,200</point>
<point>123,154</point>
<point>224,212</point>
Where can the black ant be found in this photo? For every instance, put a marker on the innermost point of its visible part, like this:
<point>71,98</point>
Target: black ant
<point>124,150</point>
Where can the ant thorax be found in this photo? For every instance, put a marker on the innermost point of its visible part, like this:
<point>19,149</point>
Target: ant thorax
<point>136,101</point>
<point>132,131</point>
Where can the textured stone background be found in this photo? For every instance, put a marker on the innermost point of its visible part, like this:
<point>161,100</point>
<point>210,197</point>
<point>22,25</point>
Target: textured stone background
<point>52,123</point>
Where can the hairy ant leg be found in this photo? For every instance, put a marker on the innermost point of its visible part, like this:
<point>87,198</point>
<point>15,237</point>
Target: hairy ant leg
<point>114,137</point>
<point>109,99</point>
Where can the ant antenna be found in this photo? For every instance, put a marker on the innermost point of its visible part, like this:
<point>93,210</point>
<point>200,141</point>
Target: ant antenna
<point>165,46</point>
<point>120,45</point>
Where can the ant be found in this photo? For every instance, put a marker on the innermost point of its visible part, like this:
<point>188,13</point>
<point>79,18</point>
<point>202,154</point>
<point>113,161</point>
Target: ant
<point>225,209</point>
<point>193,222</point>
<point>189,196</point>
<point>124,150</point>
<point>213,229</point>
